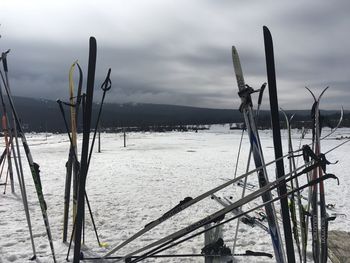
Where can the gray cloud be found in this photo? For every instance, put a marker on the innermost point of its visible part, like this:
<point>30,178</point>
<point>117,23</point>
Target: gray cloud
<point>179,52</point>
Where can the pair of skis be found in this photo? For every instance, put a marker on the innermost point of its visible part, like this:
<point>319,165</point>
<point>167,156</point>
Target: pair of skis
<point>86,151</point>
<point>72,165</point>
<point>87,113</point>
<point>319,242</point>
<point>319,220</point>
<point>247,110</point>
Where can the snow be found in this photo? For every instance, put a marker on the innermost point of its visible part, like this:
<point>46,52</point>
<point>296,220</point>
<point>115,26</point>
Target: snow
<point>132,186</point>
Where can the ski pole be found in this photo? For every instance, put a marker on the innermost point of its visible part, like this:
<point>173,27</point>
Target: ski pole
<point>106,86</point>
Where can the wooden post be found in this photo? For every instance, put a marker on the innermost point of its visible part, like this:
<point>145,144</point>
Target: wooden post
<point>124,137</point>
<point>212,236</point>
<point>99,138</point>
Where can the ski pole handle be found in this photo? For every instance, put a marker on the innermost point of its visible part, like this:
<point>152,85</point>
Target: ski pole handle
<point>4,60</point>
<point>107,84</point>
<point>261,93</point>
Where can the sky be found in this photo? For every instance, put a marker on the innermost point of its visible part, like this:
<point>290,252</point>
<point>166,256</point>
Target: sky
<point>179,51</point>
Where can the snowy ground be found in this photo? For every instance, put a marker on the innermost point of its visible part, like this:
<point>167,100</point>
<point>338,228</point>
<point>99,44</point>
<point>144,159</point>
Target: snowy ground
<point>129,187</point>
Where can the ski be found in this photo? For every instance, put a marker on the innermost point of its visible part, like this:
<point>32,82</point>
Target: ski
<point>87,112</point>
<point>322,257</point>
<point>74,110</point>
<point>271,80</point>
<point>292,205</point>
<point>72,164</point>
<point>316,246</point>
<point>246,109</point>
<point>8,143</point>
<point>34,167</point>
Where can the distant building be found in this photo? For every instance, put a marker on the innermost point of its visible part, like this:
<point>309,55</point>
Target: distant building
<point>237,126</point>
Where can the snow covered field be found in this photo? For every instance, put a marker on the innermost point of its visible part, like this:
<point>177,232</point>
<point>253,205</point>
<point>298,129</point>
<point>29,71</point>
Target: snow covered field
<point>129,187</point>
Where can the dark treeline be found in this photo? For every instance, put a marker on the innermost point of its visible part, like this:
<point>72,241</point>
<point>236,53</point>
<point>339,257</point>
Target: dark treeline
<point>43,115</point>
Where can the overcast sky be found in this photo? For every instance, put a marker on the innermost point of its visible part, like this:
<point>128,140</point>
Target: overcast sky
<point>179,51</point>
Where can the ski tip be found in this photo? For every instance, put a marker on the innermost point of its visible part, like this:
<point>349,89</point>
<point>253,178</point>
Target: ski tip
<point>234,50</point>
<point>291,117</point>
<point>312,94</point>
<point>6,52</point>
<point>267,37</point>
<point>266,29</point>
<point>92,41</point>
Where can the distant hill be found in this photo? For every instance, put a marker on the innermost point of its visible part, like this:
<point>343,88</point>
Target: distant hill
<point>44,115</point>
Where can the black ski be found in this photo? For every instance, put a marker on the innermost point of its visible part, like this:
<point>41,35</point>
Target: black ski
<point>271,79</point>
<point>87,112</point>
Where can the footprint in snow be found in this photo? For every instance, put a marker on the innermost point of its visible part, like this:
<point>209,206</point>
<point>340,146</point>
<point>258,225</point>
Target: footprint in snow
<point>10,244</point>
<point>12,258</point>
<point>43,246</point>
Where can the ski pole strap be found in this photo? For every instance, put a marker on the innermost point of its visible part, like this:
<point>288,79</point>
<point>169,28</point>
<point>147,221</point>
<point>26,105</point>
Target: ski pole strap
<point>107,84</point>
<point>307,153</point>
<point>80,85</point>
<point>4,59</point>
<point>261,92</point>
<point>83,102</point>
